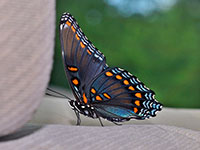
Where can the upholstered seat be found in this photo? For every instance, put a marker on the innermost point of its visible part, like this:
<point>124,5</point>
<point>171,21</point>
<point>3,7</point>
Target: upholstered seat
<point>30,120</point>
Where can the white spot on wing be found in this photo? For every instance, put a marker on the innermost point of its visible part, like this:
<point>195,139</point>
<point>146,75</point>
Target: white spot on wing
<point>61,26</point>
<point>121,69</point>
<point>101,59</point>
<point>86,112</point>
<point>95,55</point>
<point>114,72</point>
<point>124,75</point>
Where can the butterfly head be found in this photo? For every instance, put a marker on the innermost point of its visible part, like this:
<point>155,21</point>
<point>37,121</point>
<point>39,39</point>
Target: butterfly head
<point>82,108</point>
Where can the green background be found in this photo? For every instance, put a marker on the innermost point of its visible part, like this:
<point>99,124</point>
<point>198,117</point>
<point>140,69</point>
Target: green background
<point>161,48</point>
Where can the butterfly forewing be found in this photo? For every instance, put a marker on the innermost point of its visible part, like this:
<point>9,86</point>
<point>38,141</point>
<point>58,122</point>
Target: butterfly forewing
<point>81,59</point>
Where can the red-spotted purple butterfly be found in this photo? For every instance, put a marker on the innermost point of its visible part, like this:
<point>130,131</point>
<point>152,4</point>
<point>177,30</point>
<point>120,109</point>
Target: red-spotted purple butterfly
<point>100,91</point>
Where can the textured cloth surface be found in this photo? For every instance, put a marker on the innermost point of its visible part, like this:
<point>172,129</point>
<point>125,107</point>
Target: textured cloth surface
<point>26,43</point>
<point>127,137</point>
<point>57,111</point>
<point>26,50</point>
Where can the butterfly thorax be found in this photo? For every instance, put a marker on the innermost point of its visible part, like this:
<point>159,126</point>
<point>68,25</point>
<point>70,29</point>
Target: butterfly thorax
<point>83,108</point>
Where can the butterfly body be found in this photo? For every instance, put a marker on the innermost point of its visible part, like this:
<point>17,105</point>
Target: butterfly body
<point>84,109</point>
<point>100,91</point>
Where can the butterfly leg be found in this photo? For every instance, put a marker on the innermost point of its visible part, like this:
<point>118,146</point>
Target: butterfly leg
<point>100,121</point>
<point>99,118</point>
<point>116,123</point>
<point>78,118</point>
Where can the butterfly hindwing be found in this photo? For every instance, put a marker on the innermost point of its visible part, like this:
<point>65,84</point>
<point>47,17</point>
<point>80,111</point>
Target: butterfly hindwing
<point>118,96</point>
<point>81,59</point>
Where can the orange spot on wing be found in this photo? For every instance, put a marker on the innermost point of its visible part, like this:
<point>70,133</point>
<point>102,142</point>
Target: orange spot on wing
<point>89,52</point>
<point>93,90</point>
<point>118,77</point>
<point>73,29</point>
<point>98,98</point>
<point>106,95</point>
<point>74,69</point>
<point>84,98</point>
<point>68,23</point>
<point>75,81</point>
<point>77,37</point>
<point>126,82</point>
<point>137,102</point>
<point>139,95</point>
<point>109,74</point>
<point>131,88</point>
<point>135,110</point>
<point>82,45</point>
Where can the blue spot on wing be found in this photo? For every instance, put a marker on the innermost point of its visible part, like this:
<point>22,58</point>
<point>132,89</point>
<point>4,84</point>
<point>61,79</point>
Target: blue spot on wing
<point>119,111</point>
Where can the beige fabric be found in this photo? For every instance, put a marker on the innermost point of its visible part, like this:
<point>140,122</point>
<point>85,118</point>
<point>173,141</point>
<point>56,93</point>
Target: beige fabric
<point>127,137</point>
<point>26,49</point>
<point>57,111</point>
<point>26,44</point>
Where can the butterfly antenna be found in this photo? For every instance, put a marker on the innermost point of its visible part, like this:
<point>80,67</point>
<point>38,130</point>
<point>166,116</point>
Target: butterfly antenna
<point>49,94</point>
<point>60,94</point>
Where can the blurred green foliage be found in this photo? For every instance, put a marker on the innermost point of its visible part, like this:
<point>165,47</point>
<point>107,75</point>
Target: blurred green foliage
<point>162,49</point>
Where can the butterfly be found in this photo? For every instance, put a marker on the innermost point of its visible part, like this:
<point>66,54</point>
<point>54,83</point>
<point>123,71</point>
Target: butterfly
<point>101,91</point>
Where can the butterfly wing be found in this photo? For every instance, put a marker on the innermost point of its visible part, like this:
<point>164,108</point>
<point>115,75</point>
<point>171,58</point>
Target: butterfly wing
<point>82,61</point>
<point>119,96</point>
<point>115,94</point>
